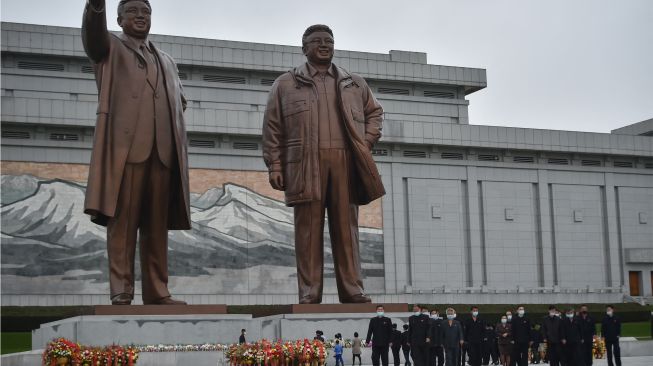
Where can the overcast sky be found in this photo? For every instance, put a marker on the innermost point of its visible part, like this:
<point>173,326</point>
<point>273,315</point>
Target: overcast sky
<point>583,65</point>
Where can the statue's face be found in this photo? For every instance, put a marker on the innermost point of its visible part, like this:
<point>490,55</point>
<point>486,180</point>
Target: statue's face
<point>319,48</point>
<point>135,19</point>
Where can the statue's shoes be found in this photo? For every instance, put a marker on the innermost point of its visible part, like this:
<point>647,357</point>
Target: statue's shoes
<point>309,300</point>
<point>357,299</point>
<point>166,301</point>
<point>122,299</point>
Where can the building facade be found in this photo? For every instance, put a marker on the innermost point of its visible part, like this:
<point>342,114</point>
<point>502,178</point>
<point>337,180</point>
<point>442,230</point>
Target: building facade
<point>473,213</point>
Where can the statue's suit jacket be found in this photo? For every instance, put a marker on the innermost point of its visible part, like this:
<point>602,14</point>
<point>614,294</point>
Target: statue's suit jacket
<point>121,78</point>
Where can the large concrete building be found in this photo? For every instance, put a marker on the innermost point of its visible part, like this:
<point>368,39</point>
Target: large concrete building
<point>472,213</point>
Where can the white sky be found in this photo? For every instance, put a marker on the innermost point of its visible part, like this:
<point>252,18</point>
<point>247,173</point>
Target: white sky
<point>582,65</point>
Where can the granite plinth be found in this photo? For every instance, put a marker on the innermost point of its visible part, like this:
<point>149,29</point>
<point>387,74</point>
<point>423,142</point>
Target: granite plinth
<point>346,308</point>
<point>159,309</point>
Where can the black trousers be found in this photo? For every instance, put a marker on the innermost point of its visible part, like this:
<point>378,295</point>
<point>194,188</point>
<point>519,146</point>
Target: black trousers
<point>452,355</point>
<point>353,360</point>
<point>380,352</point>
<point>486,352</point>
<point>571,353</point>
<point>461,355</point>
<point>553,353</point>
<point>436,356</point>
<point>535,354</point>
<point>407,356</point>
<point>475,351</point>
<point>395,355</point>
<point>586,352</point>
<point>613,350</point>
<point>420,354</point>
<point>520,354</point>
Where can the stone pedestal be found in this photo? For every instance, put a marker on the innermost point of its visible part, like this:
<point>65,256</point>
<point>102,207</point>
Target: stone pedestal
<point>368,308</point>
<point>159,309</point>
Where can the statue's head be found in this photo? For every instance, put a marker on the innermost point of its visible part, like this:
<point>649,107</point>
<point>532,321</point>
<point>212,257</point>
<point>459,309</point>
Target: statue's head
<point>134,17</point>
<point>318,44</point>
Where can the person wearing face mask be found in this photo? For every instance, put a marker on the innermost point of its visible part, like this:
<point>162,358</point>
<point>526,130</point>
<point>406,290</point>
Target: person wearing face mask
<point>474,330</point>
<point>611,331</point>
<point>509,316</point>
<point>380,333</point>
<point>521,334</point>
<point>571,339</point>
<point>436,353</point>
<point>504,335</point>
<point>489,342</point>
<point>419,326</point>
<point>396,345</point>
<point>587,332</point>
<point>405,345</point>
<point>551,336</point>
<point>452,337</point>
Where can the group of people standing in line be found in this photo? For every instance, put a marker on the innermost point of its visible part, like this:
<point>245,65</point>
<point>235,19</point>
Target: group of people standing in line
<point>561,338</point>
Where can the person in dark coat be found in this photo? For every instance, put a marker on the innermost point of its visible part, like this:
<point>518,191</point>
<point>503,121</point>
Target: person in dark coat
<point>536,340</point>
<point>489,349</point>
<point>419,326</point>
<point>405,345</point>
<point>521,335</point>
<point>452,338</point>
<point>551,331</point>
<point>571,339</point>
<point>380,333</point>
<point>611,331</point>
<point>396,345</point>
<point>587,333</point>
<point>436,351</point>
<point>504,339</point>
<point>319,336</point>
<point>241,339</point>
<point>474,330</point>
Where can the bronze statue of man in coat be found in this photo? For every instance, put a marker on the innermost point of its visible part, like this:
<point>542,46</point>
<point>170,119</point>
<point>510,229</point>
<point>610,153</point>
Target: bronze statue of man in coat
<point>320,125</point>
<point>138,176</point>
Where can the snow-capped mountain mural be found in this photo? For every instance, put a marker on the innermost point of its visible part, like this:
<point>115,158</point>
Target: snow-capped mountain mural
<point>240,242</point>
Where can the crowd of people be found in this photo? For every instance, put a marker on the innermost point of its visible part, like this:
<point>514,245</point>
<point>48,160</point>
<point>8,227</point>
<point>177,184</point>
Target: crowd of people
<point>564,337</point>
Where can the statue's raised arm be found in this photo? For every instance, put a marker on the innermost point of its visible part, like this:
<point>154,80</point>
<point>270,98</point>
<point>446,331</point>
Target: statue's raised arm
<point>95,35</point>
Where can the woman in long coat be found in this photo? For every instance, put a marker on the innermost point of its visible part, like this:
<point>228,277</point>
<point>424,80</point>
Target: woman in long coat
<point>504,336</point>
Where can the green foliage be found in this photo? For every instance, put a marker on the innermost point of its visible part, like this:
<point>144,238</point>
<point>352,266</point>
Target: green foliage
<point>15,342</point>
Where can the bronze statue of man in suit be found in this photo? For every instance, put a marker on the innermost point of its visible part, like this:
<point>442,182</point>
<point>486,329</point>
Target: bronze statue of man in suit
<point>318,131</point>
<point>138,176</point>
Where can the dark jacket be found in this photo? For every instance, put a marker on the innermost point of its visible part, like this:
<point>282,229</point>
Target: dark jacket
<point>379,331</point>
<point>290,134</point>
<point>436,332</point>
<point>611,328</point>
<point>587,328</point>
<point>521,329</point>
<point>474,330</point>
<point>536,337</point>
<point>396,338</point>
<point>551,328</point>
<point>419,328</point>
<point>241,339</point>
<point>571,330</point>
<point>452,333</point>
<point>489,335</point>
<point>121,79</point>
<point>502,329</point>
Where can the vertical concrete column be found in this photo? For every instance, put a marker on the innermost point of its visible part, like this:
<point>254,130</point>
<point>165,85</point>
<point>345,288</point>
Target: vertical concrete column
<point>613,250</point>
<point>546,235</point>
<point>403,270</point>
<point>475,235</point>
<point>390,266</point>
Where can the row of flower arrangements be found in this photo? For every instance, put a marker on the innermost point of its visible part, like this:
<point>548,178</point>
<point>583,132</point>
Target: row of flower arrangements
<point>62,352</point>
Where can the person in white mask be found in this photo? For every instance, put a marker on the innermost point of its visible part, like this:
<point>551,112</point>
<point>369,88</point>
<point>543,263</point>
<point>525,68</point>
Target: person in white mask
<point>379,333</point>
<point>611,331</point>
<point>452,338</point>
